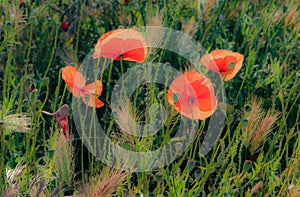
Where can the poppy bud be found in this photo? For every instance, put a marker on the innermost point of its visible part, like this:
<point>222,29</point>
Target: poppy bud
<point>32,88</point>
<point>21,4</point>
<point>191,164</point>
<point>64,26</point>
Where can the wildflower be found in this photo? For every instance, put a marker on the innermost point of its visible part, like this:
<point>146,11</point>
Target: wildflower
<point>225,62</point>
<point>192,94</point>
<point>61,117</point>
<point>89,93</point>
<point>126,1</point>
<point>21,4</point>
<point>221,17</point>
<point>64,26</point>
<point>125,44</point>
<point>32,88</point>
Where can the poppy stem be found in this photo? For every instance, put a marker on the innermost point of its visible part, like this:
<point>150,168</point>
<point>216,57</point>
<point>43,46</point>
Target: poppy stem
<point>122,75</point>
<point>47,113</point>
<point>122,67</point>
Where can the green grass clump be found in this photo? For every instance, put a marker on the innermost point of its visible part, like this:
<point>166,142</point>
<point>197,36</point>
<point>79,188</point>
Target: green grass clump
<point>257,152</point>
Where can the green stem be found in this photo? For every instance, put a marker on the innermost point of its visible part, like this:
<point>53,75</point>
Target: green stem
<point>53,52</point>
<point>26,66</point>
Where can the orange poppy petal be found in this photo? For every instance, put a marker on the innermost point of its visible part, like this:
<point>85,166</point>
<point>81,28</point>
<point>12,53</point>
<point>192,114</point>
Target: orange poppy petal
<point>128,43</point>
<point>194,76</point>
<point>220,60</point>
<point>107,34</point>
<point>90,100</point>
<point>178,85</point>
<point>237,66</point>
<point>201,89</point>
<point>208,104</point>
<point>194,107</point>
<point>93,88</point>
<point>201,110</point>
<point>69,75</point>
<point>135,55</point>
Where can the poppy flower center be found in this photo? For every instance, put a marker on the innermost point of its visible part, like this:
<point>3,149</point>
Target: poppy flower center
<point>228,67</point>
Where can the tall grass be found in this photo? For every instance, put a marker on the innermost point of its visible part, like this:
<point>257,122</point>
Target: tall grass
<point>257,152</point>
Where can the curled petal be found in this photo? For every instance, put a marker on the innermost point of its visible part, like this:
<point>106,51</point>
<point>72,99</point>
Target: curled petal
<point>93,88</point>
<point>92,100</point>
<point>74,80</point>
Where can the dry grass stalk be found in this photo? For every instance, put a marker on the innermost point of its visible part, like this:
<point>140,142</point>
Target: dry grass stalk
<point>16,122</point>
<point>293,191</point>
<point>155,19</point>
<point>293,16</point>
<point>124,117</point>
<point>38,191</point>
<point>11,191</point>
<point>290,17</point>
<point>126,121</point>
<point>16,15</point>
<point>257,188</point>
<point>12,174</point>
<point>259,126</point>
<point>105,183</point>
<point>64,159</point>
<point>11,178</point>
<point>190,27</point>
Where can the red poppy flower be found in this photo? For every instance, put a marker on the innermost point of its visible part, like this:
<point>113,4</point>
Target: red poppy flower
<point>88,93</point>
<point>31,88</point>
<point>225,62</point>
<point>127,44</point>
<point>126,1</point>
<point>61,117</point>
<point>21,4</point>
<point>192,94</point>
<point>64,26</point>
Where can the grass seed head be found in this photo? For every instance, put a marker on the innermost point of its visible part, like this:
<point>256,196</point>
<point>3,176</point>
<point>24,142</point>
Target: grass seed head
<point>259,125</point>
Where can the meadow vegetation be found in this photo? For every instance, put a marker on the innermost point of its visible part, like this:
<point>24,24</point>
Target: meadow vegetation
<point>256,154</point>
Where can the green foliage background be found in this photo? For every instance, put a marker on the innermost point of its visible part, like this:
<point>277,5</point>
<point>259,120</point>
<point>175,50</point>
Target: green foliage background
<point>34,47</point>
